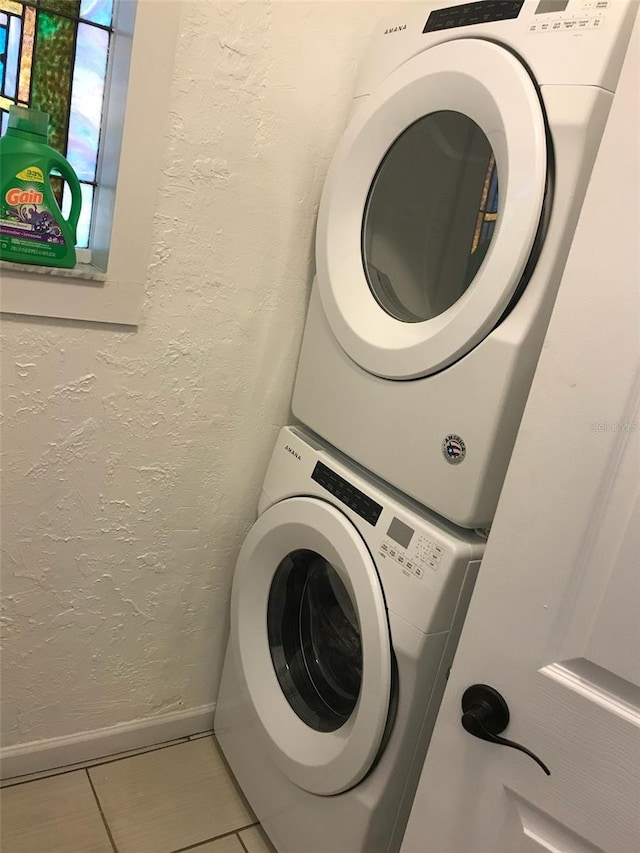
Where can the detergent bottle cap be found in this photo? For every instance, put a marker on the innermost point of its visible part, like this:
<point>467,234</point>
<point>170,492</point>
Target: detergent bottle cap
<point>29,121</point>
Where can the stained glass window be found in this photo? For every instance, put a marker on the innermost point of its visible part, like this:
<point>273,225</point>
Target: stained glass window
<point>53,57</point>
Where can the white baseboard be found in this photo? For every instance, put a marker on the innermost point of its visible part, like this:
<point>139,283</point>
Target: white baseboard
<point>40,755</point>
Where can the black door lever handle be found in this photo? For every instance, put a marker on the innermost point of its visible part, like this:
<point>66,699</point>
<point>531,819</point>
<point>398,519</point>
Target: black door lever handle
<point>485,714</point>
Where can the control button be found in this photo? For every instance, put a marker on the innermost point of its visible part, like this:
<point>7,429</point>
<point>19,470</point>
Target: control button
<point>596,23</point>
<point>533,28</point>
<point>570,25</point>
<point>392,552</point>
<point>557,25</point>
<point>438,549</point>
<point>435,557</point>
<point>400,558</point>
<point>418,571</point>
<point>410,565</point>
<point>433,566</point>
<point>384,546</point>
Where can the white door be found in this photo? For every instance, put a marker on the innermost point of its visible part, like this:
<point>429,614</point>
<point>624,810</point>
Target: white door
<point>431,208</point>
<point>310,631</point>
<point>554,624</point>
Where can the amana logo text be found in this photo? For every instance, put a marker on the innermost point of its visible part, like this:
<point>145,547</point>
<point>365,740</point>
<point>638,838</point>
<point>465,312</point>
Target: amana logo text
<point>395,29</point>
<point>292,451</point>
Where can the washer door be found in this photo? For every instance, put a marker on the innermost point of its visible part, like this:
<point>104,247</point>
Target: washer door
<point>431,207</point>
<point>311,638</point>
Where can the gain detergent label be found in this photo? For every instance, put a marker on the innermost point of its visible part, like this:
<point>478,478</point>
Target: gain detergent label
<point>26,222</point>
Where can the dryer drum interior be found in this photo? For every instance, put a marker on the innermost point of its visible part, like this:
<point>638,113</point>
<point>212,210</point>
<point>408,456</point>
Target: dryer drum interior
<point>430,216</point>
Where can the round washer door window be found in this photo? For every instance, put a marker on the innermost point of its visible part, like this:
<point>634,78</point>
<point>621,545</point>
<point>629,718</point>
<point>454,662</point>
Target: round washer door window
<point>314,638</point>
<point>422,247</point>
<point>311,643</point>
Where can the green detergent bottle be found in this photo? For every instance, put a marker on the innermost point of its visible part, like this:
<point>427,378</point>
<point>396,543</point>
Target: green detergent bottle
<point>32,227</point>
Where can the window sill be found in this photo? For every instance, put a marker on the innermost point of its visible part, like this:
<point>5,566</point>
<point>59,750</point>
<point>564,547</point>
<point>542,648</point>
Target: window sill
<point>87,272</point>
<point>81,293</point>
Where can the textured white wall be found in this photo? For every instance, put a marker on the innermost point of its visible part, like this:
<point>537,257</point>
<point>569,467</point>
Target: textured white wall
<point>133,460</point>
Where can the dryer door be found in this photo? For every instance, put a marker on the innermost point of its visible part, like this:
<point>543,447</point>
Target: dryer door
<point>431,207</point>
<point>311,638</point>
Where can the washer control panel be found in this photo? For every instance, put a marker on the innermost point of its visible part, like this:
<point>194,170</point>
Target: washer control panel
<point>414,554</point>
<point>346,492</point>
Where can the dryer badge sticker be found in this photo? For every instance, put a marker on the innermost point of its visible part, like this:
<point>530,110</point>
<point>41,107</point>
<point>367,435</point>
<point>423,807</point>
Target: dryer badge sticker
<point>454,449</point>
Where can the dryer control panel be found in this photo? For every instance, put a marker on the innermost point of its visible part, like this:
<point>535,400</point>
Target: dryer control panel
<point>568,16</point>
<point>590,38</point>
<point>548,16</point>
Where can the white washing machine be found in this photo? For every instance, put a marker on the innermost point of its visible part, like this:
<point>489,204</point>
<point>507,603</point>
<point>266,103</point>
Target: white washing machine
<point>346,609</point>
<point>444,226</point>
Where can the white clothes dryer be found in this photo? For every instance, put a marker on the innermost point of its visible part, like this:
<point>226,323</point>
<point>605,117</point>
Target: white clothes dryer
<point>444,226</point>
<point>347,604</point>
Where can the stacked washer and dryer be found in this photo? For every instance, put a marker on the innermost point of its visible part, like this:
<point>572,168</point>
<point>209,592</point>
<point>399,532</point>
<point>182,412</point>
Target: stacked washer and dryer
<point>444,226</point>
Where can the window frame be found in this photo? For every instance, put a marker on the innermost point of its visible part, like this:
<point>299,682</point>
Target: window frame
<point>111,288</point>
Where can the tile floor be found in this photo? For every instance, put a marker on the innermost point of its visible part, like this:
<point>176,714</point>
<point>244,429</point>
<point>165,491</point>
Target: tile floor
<point>173,797</point>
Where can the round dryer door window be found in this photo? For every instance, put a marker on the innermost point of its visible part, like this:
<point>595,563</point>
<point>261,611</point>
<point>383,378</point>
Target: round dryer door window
<point>431,209</point>
<point>423,246</point>
<point>311,643</point>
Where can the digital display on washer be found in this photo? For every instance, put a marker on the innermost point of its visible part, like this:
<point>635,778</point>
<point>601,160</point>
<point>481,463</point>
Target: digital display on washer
<point>544,7</point>
<point>347,493</point>
<point>400,532</point>
<point>481,12</point>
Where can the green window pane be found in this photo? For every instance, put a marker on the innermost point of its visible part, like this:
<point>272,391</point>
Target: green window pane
<point>69,7</point>
<point>51,74</point>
